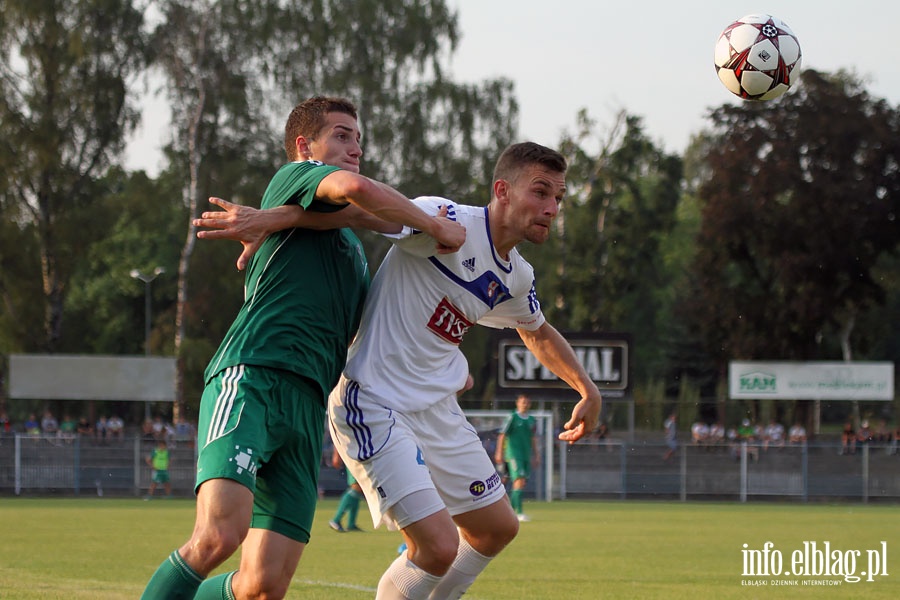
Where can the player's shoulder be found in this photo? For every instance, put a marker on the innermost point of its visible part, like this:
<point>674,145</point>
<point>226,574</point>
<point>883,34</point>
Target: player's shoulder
<point>455,211</point>
<point>301,168</point>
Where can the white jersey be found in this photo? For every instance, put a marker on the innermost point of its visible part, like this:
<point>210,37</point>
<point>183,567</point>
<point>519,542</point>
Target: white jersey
<point>406,353</point>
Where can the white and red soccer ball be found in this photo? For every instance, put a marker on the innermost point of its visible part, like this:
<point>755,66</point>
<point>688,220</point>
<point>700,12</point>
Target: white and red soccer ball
<point>758,57</point>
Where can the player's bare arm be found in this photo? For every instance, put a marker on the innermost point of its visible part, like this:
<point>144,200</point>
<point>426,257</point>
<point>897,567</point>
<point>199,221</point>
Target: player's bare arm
<point>387,203</point>
<point>251,226</point>
<point>555,353</point>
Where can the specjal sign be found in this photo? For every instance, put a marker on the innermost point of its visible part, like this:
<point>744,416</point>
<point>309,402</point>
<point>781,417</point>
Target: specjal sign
<point>605,357</point>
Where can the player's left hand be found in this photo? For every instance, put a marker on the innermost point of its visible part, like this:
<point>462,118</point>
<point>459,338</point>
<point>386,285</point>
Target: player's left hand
<point>584,419</point>
<point>235,222</point>
<point>450,235</point>
<point>443,248</point>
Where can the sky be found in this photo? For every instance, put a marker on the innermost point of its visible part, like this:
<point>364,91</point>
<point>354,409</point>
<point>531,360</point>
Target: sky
<point>651,58</point>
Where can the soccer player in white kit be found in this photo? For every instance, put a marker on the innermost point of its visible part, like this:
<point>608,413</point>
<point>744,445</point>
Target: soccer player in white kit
<point>394,415</point>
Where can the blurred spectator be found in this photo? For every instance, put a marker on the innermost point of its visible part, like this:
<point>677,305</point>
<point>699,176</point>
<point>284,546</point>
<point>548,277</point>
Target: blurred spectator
<point>49,424</point>
<point>864,435</point>
<point>147,434</point>
<point>700,433</point>
<point>5,422</point>
<point>895,441</point>
<point>717,434</point>
<point>32,425</point>
<point>773,435</point>
<point>881,434</point>
<point>159,428</point>
<point>797,434</point>
<point>671,432</point>
<point>747,434</point>
<point>848,439</point>
<point>746,431</point>
<point>67,428</point>
<point>101,432</point>
<point>185,432</point>
<point>115,428</point>
<point>84,427</point>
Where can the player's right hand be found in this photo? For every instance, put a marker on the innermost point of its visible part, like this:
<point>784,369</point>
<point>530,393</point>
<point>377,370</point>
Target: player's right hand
<point>235,222</point>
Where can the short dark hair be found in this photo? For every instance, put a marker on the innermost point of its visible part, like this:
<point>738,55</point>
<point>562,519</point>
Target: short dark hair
<point>308,118</point>
<point>518,156</point>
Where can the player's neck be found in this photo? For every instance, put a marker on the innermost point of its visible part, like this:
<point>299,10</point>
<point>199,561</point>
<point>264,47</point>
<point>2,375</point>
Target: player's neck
<point>503,239</point>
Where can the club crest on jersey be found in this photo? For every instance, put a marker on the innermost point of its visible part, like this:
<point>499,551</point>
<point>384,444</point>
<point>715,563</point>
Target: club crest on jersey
<point>449,322</point>
<point>496,293</point>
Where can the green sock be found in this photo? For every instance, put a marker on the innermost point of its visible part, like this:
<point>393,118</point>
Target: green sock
<point>173,580</point>
<point>344,505</point>
<point>353,509</point>
<point>515,498</point>
<point>216,588</point>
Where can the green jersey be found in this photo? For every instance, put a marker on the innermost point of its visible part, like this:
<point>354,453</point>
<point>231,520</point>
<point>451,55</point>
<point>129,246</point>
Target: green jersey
<point>160,459</point>
<point>303,292</point>
<point>518,431</point>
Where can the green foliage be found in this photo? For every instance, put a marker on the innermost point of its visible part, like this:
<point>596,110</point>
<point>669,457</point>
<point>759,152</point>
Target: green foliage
<point>141,229</point>
<point>799,203</point>
<point>64,111</point>
<point>615,259</point>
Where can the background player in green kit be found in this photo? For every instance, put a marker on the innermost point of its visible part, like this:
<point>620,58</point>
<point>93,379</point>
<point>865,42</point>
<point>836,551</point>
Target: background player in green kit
<point>159,462</point>
<point>350,500</point>
<point>515,445</point>
<point>263,407</point>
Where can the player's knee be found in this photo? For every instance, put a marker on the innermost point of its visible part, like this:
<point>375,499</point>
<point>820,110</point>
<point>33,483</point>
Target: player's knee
<point>213,546</point>
<point>261,586</point>
<point>437,554</point>
<point>503,531</point>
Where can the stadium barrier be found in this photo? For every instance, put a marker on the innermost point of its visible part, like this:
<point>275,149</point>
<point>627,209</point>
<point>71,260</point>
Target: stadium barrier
<point>38,465</point>
<point>742,471</point>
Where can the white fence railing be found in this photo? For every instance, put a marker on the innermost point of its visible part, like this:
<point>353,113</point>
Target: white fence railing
<point>735,472</point>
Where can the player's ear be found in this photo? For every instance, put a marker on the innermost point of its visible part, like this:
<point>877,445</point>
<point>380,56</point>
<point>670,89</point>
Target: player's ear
<point>500,190</point>
<point>304,152</point>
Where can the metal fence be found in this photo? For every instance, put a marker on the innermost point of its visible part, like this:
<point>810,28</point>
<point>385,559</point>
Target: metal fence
<point>50,465</point>
<point>737,472</point>
<point>79,465</point>
<point>593,469</point>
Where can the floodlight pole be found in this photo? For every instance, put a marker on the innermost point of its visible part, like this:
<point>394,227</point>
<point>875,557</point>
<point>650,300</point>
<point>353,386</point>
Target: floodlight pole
<point>147,278</point>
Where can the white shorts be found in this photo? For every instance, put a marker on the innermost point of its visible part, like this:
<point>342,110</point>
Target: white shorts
<point>393,454</point>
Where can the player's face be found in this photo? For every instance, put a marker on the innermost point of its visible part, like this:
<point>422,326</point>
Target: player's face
<point>337,143</point>
<point>534,199</point>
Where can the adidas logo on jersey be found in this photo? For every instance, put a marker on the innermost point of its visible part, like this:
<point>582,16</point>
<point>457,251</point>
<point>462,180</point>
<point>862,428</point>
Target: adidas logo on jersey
<point>469,263</point>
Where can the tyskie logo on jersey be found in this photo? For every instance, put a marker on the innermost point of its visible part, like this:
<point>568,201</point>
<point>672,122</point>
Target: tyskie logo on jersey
<point>449,322</point>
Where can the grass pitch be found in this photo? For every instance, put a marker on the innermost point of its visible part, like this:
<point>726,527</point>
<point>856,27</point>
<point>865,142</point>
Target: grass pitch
<point>107,549</point>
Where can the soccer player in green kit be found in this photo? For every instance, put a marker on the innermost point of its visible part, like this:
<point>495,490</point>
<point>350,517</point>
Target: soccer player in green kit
<point>262,412</point>
<point>515,446</point>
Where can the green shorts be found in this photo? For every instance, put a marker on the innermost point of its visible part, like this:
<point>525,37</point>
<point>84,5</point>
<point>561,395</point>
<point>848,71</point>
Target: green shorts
<point>263,428</point>
<point>518,468</point>
<point>160,476</point>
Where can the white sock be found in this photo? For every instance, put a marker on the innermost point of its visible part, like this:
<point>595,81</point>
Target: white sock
<point>468,565</point>
<point>403,580</point>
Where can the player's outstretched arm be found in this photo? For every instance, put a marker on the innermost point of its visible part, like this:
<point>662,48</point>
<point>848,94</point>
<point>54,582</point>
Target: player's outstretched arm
<point>251,226</point>
<point>387,203</point>
<point>555,353</point>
